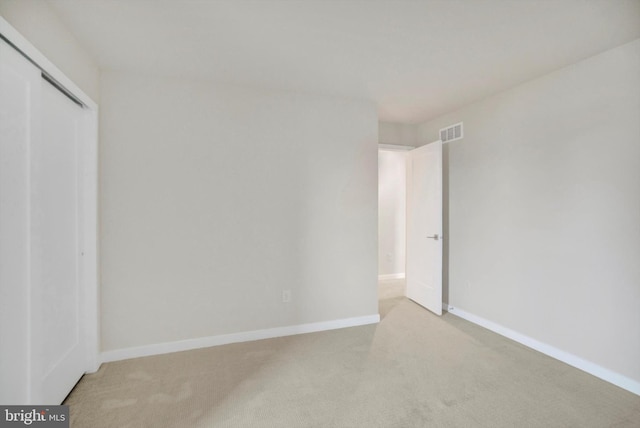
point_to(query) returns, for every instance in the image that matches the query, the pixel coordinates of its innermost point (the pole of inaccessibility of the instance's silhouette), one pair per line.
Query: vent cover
(451, 133)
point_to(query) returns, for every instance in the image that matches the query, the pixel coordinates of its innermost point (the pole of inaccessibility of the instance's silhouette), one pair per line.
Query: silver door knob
(436, 237)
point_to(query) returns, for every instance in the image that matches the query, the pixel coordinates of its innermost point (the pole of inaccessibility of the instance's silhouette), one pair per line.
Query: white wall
(35, 20)
(392, 183)
(216, 198)
(544, 199)
(402, 134)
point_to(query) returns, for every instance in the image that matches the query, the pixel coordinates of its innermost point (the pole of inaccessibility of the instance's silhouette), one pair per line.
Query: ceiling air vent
(451, 133)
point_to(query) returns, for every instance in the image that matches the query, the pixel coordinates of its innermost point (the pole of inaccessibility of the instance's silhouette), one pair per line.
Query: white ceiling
(415, 59)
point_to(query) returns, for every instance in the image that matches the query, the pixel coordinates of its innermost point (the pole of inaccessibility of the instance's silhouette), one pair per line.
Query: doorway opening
(410, 226)
(392, 176)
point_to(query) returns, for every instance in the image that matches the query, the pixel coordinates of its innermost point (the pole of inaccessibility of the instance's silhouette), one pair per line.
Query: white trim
(395, 147)
(605, 374)
(205, 342)
(445, 306)
(36, 56)
(89, 198)
(400, 275)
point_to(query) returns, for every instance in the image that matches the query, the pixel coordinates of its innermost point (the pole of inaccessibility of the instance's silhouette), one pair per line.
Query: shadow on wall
(445, 223)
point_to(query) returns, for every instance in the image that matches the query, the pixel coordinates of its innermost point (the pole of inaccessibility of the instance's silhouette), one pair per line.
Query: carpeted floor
(414, 369)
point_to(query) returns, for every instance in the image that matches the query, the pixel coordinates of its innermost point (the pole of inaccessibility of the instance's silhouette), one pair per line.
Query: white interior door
(41, 295)
(424, 226)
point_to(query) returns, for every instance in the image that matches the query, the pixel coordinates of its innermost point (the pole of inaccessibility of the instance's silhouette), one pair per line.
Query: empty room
(317, 213)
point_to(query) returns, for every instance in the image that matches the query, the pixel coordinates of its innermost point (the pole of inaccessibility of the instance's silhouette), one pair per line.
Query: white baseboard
(205, 342)
(391, 276)
(605, 374)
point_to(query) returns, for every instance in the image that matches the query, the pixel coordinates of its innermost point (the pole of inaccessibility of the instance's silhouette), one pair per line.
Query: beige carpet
(413, 369)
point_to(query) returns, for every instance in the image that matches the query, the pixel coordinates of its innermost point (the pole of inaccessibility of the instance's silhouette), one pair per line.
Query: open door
(424, 226)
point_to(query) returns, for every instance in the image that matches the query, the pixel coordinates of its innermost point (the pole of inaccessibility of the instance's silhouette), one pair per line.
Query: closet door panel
(20, 84)
(42, 339)
(57, 348)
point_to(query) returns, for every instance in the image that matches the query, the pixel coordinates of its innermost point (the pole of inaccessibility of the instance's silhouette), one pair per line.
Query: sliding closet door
(20, 84)
(45, 214)
(57, 345)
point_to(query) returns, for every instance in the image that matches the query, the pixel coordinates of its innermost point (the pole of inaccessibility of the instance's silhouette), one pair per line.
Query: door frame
(88, 190)
(445, 211)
